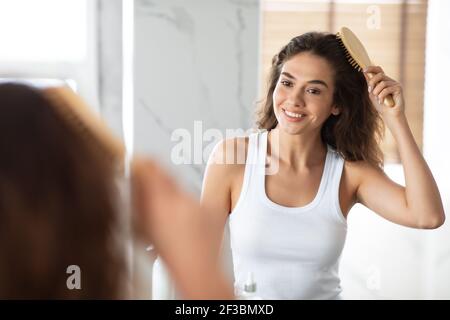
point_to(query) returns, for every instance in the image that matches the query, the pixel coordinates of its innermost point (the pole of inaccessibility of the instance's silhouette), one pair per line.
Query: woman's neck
(296, 150)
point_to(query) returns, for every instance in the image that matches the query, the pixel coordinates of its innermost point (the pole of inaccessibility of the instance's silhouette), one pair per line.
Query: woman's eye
(286, 83)
(314, 91)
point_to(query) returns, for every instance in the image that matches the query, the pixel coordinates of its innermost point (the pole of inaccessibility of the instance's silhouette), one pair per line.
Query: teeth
(294, 115)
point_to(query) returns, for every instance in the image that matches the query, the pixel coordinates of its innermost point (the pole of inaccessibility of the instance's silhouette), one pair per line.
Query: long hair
(357, 131)
(57, 206)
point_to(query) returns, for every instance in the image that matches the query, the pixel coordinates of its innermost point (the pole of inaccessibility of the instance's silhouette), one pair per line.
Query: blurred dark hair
(57, 205)
(356, 132)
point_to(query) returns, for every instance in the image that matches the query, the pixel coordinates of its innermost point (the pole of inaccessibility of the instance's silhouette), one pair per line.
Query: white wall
(436, 142)
(382, 260)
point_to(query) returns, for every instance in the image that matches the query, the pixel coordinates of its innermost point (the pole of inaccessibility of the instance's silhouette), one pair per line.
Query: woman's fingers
(372, 83)
(373, 69)
(380, 86)
(376, 75)
(387, 91)
(378, 83)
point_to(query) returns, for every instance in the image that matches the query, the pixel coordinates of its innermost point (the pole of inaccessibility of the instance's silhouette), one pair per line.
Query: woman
(59, 214)
(319, 156)
(55, 210)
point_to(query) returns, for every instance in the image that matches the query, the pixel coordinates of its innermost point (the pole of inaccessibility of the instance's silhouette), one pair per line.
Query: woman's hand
(173, 221)
(380, 86)
(166, 216)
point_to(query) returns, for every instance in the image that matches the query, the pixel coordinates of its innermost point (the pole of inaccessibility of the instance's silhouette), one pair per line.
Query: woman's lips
(293, 116)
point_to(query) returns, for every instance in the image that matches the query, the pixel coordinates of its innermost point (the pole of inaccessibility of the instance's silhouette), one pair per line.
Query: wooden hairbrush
(357, 55)
(77, 113)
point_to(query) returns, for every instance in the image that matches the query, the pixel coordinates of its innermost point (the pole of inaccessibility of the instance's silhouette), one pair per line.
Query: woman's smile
(293, 116)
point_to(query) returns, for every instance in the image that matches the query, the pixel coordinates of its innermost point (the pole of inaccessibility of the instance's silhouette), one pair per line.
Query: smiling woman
(320, 63)
(316, 156)
(294, 92)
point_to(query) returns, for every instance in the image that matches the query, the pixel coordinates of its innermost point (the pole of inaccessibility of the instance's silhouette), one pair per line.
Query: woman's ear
(335, 110)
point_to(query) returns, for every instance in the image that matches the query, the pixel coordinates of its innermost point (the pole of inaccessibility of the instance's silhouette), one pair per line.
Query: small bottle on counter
(249, 290)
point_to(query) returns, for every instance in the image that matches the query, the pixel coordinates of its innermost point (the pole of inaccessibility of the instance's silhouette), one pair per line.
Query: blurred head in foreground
(57, 205)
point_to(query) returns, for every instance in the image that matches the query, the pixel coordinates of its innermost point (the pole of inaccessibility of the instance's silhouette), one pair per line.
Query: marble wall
(196, 68)
(110, 62)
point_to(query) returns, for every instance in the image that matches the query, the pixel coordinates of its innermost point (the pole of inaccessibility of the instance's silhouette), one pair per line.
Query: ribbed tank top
(293, 252)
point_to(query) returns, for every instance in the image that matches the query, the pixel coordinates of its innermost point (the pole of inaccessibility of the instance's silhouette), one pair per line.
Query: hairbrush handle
(388, 100)
(357, 55)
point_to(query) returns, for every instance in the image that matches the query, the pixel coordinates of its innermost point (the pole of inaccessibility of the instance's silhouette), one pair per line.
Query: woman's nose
(296, 100)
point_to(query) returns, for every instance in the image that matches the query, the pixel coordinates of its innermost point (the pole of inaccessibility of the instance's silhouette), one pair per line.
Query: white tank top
(293, 252)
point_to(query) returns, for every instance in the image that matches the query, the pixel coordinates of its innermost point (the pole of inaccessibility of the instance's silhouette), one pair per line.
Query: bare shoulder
(228, 159)
(230, 153)
(355, 173)
(225, 169)
(360, 169)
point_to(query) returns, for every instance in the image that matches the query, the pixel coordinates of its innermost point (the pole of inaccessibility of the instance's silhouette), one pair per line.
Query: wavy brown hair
(57, 205)
(357, 131)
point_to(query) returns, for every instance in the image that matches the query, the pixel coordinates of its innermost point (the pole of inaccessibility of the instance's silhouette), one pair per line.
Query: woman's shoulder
(356, 171)
(360, 166)
(226, 164)
(230, 152)
(354, 166)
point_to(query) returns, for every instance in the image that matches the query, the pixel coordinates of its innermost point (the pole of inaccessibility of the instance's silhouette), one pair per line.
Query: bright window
(44, 30)
(51, 40)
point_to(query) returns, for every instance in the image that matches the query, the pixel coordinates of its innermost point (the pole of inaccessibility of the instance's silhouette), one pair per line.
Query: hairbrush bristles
(349, 57)
(357, 55)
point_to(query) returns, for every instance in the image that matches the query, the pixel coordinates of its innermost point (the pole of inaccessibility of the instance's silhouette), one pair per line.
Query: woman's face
(303, 95)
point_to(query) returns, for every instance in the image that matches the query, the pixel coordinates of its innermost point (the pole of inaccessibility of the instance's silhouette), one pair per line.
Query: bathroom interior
(160, 72)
